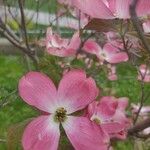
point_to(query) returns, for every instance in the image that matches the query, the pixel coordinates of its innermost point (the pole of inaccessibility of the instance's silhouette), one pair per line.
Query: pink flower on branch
(94, 8)
(110, 115)
(57, 46)
(110, 9)
(120, 8)
(108, 53)
(120, 116)
(75, 92)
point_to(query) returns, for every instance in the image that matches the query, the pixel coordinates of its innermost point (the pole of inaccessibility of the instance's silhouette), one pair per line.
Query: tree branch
(136, 24)
(139, 127)
(23, 23)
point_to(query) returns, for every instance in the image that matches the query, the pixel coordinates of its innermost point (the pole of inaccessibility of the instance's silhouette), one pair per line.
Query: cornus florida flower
(104, 113)
(109, 9)
(144, 73)
(94, 8)
(74, 93)
(57, 46)
(120, 8)
(109, 52)
(120, 116)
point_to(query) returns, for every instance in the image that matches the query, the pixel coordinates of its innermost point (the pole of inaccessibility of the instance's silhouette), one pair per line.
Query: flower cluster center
(97, 121)
(60, 115)
(103, 55)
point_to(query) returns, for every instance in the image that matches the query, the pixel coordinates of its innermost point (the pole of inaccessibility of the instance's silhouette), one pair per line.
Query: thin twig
(83, 42)
(142, 97)
(136, 24)
(139, 127)
(23, 23)
(5, 101)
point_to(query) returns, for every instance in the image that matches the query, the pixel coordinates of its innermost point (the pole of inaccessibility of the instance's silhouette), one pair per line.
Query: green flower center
(60, 115)
(103, 55)
(97, 121)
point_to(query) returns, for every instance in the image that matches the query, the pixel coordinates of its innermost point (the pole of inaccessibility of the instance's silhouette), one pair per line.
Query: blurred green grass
(41, 5)
(12, 68)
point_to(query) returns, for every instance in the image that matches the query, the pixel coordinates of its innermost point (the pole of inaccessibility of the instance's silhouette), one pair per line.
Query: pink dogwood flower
(108, 53)
(120, 116)
(57, 46)
(75, 92)
(104, 112)
(144, 73)
(94, 8)
(120, 8)
(110, 9)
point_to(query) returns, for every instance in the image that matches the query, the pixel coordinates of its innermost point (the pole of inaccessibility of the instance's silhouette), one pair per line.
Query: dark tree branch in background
(137, 26)
(14, 40)
(23, 23)
(134, 131)
(83, 42)
(6, 28)
(24, 31)
(17, 41)
(142, 97)
(139, 127)
(14, 17)
(37, 10)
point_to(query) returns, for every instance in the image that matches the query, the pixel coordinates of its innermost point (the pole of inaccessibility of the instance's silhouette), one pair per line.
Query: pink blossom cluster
(101, 121)
(58, 46)
(111, 53)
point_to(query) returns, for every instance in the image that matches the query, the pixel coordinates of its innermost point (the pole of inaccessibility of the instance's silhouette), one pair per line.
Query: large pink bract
(109, 114)
(75, 92)
(110, 9)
